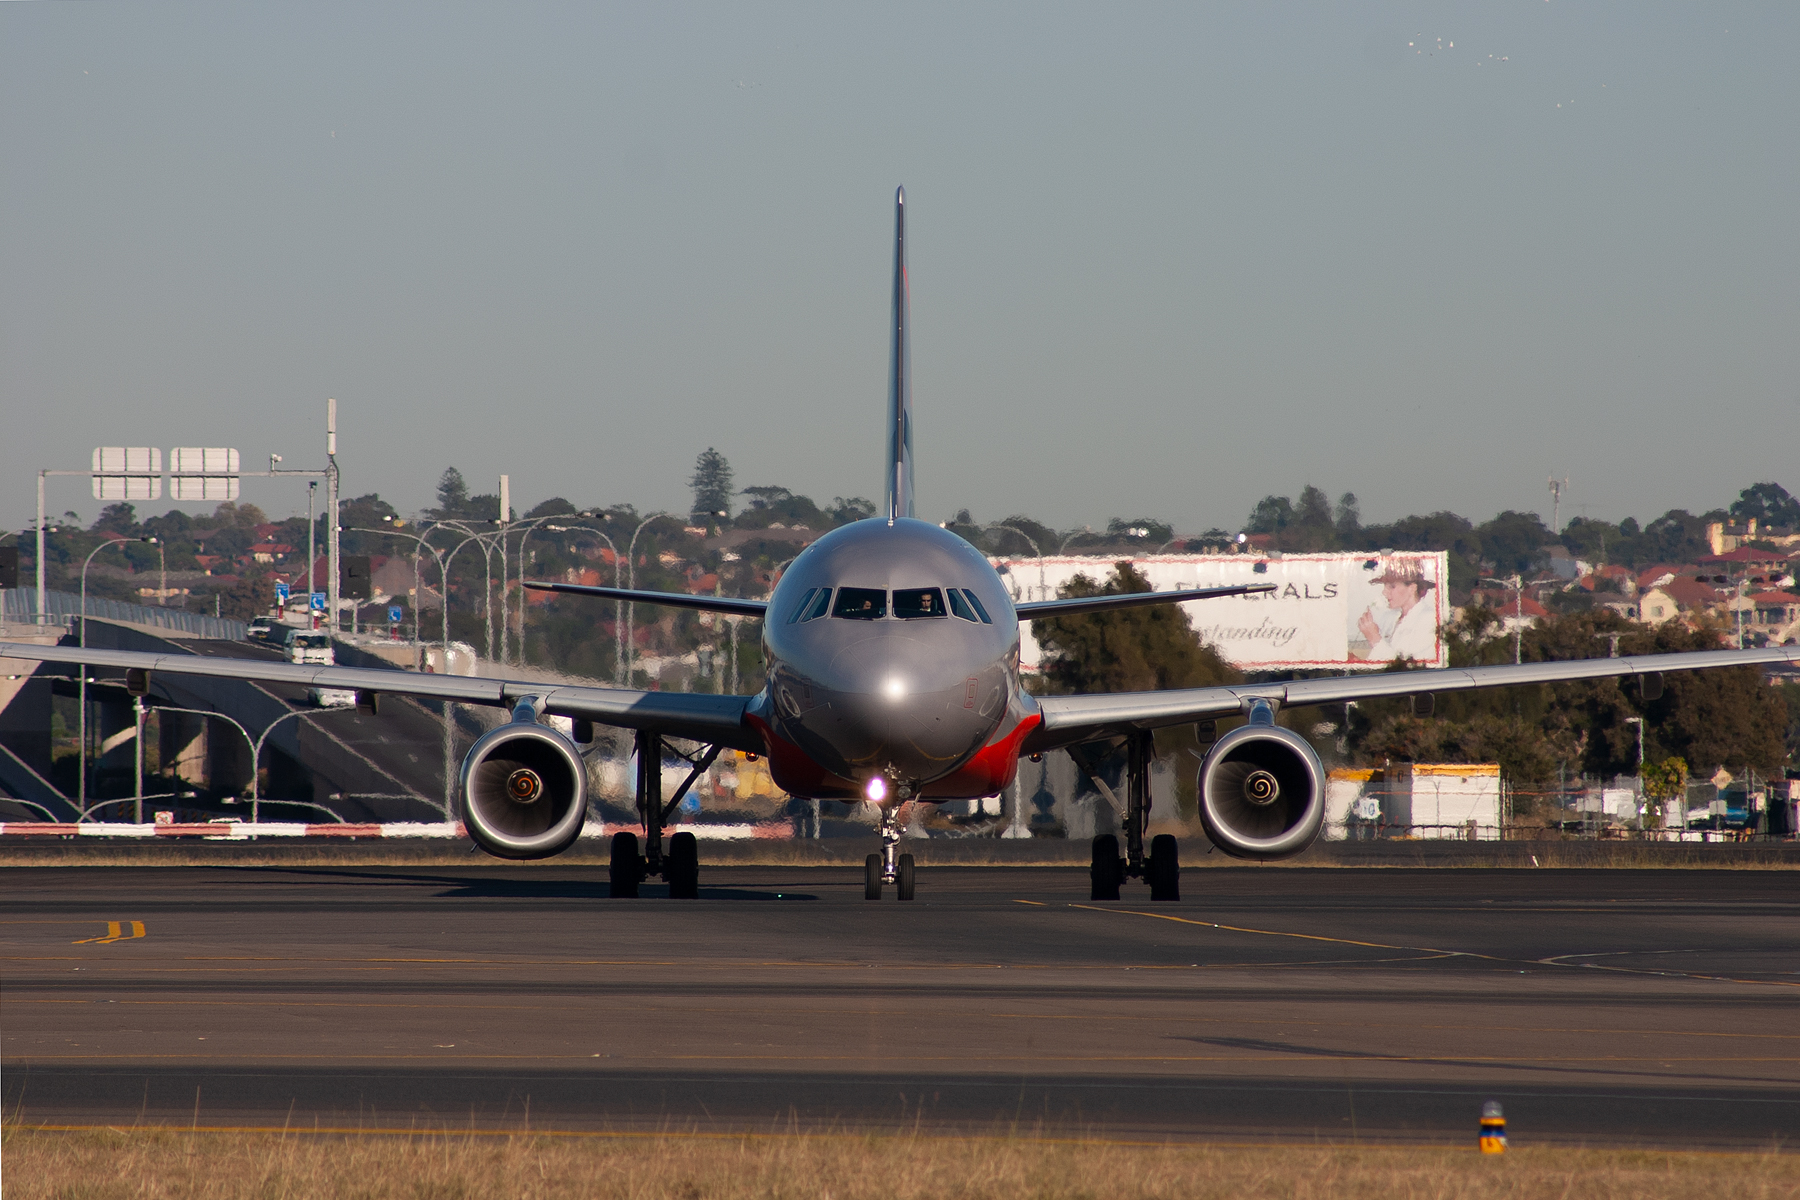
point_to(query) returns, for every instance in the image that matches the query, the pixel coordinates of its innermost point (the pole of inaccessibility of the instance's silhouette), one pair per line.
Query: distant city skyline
(1165, 261)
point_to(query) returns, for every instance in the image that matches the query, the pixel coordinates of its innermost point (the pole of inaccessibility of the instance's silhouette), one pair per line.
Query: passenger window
(976, 605)
(860, 604)
(800, 608)
(919, 602)
(959, 606)
(821, 603)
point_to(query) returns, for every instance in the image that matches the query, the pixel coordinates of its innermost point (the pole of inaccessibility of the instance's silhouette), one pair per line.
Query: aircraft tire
(872, 877)
(626, 870)
(1106, 874)
(903, 877)
(684, 867)
(1164, 868)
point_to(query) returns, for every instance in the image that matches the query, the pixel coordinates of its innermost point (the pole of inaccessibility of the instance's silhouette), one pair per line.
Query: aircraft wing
(705, 718)
(720, 604)
(1082, 604)
(1071, 719)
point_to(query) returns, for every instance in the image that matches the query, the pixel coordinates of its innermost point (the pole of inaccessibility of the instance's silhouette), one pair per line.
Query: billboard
(1327, 612)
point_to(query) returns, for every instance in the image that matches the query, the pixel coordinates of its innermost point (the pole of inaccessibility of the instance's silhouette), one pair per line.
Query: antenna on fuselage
(899, 413)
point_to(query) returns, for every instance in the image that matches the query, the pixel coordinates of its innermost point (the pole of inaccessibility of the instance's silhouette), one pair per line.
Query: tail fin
(899, 413)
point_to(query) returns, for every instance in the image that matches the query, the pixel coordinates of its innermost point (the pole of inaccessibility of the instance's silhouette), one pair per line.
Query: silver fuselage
(929, 704)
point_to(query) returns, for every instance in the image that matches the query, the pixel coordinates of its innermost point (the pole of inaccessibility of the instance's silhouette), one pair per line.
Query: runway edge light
(1493, 1128)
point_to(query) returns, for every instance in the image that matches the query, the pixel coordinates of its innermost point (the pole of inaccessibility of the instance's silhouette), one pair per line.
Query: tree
(1769, 505)
(556, 506)
(1711, 718)
(1348, 520)
(1139, 649)
(771, 504)
(1311, 528)
(1271, 515)
(855, 508)
(453, 493)
(253, 595)
(118, 519)
(1514, 541)
(711, 483)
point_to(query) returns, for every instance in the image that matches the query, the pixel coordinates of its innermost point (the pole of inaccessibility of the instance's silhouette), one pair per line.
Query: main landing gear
(680, 868)
(1161, 868)
(889, 866)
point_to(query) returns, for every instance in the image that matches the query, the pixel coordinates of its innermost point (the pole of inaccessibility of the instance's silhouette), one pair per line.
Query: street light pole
(629, 656)
(332, 541)
(81, 715)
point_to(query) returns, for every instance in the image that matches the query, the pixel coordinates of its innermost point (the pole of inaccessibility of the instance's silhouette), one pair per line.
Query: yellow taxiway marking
(1553, 961)
(114, 933)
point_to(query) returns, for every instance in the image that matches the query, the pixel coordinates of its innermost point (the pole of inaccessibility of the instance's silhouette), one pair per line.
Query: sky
(1165, 259)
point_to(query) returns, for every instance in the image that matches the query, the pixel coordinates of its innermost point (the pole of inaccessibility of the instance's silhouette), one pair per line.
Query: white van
(311, 648)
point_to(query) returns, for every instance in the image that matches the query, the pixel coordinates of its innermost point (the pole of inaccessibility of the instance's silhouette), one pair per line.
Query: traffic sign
(318, 602)
(282, 592)
(394, 614)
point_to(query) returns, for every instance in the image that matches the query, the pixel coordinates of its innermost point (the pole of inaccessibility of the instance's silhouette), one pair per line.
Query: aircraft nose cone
(892, 704)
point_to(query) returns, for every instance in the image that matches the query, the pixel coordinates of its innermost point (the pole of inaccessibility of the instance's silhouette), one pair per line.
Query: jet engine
(524, 791)
(1262, 793)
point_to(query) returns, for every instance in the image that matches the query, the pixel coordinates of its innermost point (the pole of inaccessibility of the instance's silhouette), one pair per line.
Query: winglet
(899, 483)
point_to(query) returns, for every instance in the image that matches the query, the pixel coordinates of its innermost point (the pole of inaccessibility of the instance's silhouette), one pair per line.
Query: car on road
(331, 697)
(311, 648)
(263, 629)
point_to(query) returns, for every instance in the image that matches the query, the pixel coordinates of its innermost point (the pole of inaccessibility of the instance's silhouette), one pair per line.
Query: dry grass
(145, 1165)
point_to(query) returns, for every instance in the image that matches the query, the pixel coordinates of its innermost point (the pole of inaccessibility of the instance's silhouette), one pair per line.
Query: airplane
(892, 653)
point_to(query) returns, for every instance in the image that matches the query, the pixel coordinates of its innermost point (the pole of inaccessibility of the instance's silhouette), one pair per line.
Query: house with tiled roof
(1775, 614)
(1679, 597)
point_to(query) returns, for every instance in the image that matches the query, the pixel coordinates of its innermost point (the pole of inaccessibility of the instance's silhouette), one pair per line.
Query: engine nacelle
(1262, 793)
(524, 790)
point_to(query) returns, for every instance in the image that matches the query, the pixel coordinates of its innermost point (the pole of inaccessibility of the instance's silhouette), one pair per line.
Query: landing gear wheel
(1163, 869)
(872, 877)
(682, 868)
(1107, 872)
(627, 870)
(903, 877)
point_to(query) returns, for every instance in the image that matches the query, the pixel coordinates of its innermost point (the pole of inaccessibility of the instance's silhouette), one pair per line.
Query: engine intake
(524, 791)
(1262, 793)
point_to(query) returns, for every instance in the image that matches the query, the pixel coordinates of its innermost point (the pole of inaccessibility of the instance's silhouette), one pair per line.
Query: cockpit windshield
(860, 604)
(811, 605)
(911, 603)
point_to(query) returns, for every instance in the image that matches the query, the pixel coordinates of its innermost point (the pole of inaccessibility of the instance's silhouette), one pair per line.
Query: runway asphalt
(1646, 1007)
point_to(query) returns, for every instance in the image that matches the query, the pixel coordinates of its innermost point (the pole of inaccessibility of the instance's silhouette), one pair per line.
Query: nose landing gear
(889, 866)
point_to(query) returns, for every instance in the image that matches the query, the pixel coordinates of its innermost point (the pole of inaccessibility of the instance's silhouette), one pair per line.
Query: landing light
(894, 688)
(876, 790)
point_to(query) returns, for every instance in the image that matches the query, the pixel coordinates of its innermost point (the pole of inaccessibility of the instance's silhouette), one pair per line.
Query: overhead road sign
(127, 473)
(203, 473)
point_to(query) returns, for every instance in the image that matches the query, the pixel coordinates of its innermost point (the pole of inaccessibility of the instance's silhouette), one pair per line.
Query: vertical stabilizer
(899, 411)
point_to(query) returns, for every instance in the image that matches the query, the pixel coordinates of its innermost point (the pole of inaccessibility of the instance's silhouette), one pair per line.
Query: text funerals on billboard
(1328, 611)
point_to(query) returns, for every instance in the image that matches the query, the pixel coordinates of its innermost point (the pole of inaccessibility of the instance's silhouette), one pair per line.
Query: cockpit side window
(910, 603)
(976, 605)
(820, 606)
(800, 608)
(959, 606)
(860, 604)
